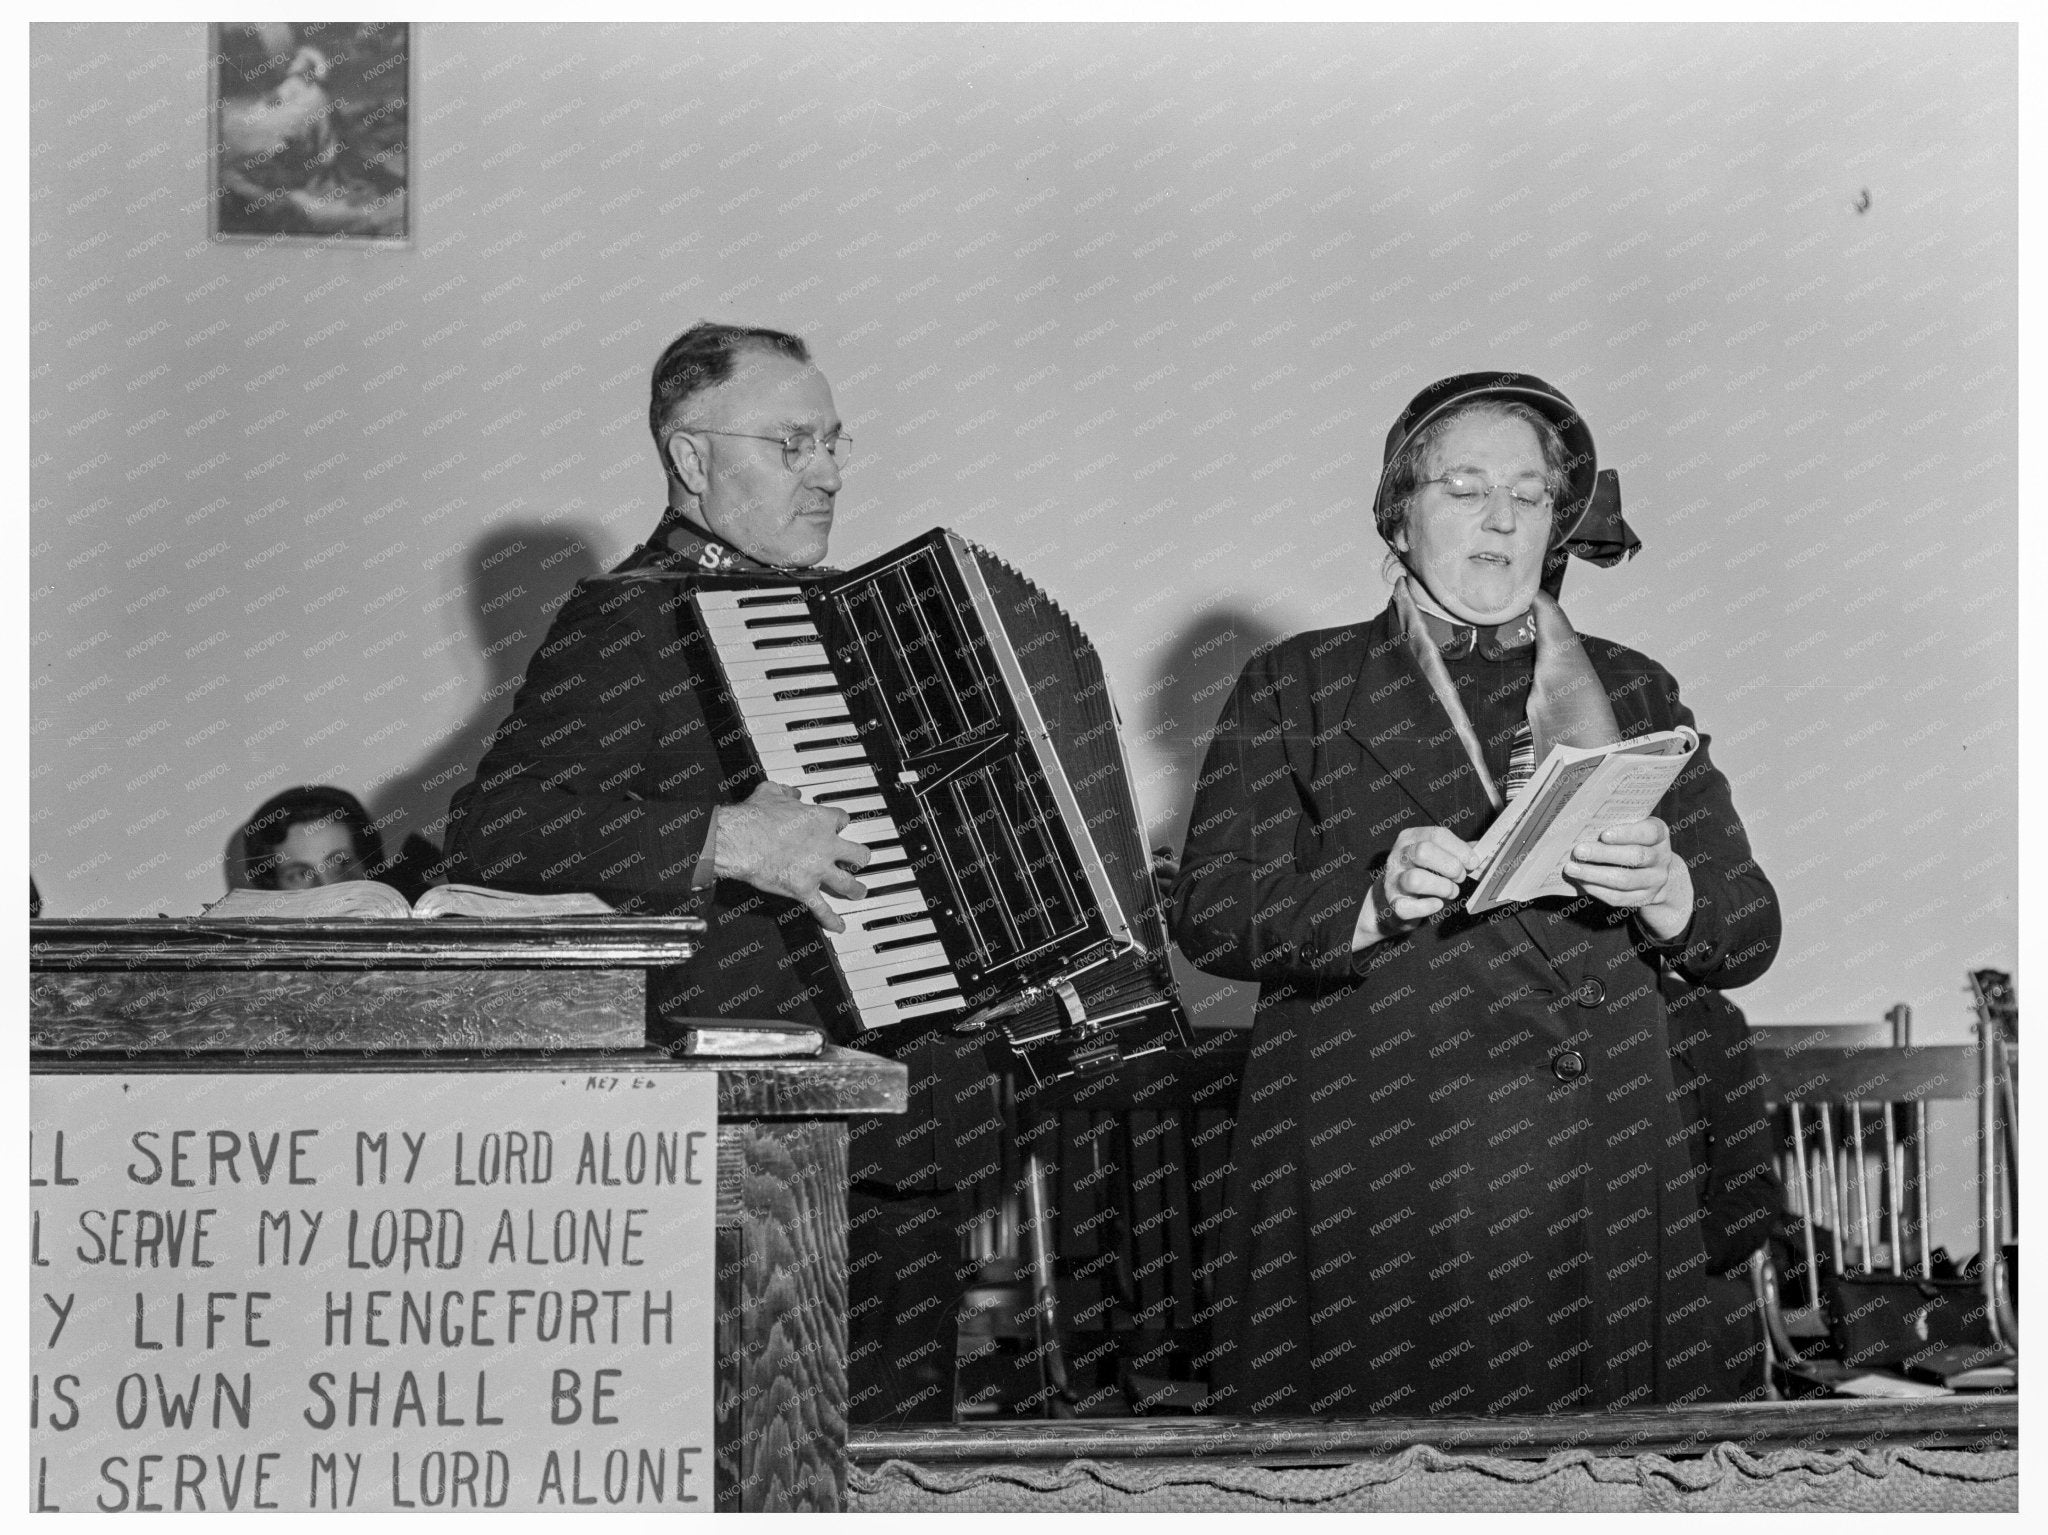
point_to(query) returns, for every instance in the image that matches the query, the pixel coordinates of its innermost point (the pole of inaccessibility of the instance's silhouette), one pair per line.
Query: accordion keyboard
(803, 735)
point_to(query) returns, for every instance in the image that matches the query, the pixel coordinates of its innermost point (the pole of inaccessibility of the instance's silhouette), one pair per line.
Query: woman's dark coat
(1435, 1212)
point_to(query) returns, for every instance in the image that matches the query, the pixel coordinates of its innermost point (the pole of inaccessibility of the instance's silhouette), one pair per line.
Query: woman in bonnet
(1461, 1181)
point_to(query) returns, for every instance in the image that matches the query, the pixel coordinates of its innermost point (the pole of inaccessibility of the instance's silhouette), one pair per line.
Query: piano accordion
(963, 723)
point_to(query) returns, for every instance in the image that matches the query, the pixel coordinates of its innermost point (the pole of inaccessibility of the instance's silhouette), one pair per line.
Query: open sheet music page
(1576, 793)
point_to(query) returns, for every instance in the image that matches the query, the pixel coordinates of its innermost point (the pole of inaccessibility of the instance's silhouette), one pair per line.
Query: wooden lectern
(565, 994)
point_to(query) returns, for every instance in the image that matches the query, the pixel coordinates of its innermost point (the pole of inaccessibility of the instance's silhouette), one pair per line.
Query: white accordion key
(802, 733)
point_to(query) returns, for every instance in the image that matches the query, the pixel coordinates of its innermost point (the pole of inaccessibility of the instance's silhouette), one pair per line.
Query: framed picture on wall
(311, 130)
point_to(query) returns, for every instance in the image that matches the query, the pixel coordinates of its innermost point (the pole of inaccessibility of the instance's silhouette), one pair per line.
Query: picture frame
(310, 129)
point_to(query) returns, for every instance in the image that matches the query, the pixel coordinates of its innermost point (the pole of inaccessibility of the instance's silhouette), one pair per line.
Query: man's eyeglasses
(798, 448)
(1470, 492)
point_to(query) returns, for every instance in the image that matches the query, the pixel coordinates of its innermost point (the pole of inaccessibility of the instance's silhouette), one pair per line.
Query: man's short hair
(703, 357)
(306, 805)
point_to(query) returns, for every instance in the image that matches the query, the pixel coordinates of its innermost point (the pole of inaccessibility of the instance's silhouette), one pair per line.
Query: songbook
(748, 1040)
(1575, 794)
(371, 898)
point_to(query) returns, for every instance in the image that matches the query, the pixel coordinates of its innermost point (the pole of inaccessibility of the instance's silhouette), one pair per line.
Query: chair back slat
(1920, 1188)
(1831, 1184)
(1892, 1202)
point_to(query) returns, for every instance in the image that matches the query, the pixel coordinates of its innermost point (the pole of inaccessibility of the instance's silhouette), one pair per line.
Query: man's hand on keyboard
(777, 843)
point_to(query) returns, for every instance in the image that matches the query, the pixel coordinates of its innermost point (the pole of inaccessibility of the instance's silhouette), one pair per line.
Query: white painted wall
(1132, 306)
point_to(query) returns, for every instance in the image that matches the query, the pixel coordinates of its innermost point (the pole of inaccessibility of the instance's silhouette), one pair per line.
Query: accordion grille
(930, 675)
(1018, 895)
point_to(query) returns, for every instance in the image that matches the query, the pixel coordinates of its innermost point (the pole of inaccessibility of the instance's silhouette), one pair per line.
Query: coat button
(1591, 992)
(1568, 1065)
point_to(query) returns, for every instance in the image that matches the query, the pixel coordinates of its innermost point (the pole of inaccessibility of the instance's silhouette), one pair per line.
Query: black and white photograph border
(1131, 304)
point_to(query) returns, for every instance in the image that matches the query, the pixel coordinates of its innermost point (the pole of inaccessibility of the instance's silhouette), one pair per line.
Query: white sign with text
(372, 1291)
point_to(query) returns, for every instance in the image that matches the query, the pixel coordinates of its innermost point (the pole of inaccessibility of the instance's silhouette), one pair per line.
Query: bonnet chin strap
(1430, 663)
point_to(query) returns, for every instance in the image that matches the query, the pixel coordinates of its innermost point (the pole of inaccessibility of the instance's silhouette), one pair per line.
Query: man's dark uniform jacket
(603, 779)
(1462, 1176)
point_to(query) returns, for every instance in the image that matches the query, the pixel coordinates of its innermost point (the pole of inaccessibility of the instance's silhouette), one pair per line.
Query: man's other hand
(777, 843)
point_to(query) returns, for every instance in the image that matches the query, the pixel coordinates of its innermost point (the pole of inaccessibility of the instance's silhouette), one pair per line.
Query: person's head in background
(307, 836)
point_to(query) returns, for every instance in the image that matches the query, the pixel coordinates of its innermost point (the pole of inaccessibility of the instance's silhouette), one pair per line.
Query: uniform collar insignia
(1492, 641)
(687, 544)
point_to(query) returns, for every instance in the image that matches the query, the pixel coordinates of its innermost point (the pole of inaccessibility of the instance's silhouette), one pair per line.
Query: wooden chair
(1856, 1168)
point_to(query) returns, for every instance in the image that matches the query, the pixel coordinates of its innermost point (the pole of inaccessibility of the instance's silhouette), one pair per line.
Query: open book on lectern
(370, 898)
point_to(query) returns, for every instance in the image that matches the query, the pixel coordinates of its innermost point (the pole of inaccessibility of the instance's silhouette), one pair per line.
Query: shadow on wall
(1177, 710)
(517, 575)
